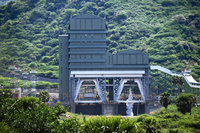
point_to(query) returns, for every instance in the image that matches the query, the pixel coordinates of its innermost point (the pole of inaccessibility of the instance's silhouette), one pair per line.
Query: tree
(185, 102)
(44, 96)
(165, 100)
(181, 81)
(175, 80)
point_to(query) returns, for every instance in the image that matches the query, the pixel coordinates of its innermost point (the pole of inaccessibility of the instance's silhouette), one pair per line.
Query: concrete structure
(88, 75)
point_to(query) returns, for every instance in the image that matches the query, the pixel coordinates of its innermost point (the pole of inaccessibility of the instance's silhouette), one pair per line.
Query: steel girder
(100, 84)
(118, 85)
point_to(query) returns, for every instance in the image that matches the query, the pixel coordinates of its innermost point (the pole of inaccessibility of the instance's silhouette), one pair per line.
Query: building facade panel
(63, 65)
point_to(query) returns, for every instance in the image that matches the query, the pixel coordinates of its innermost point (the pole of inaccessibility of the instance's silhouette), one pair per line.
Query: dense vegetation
(166, 29)
(174, 121)
(44, 96)
(3, 2)
(5, 82)
(165, 100)
(29, 114)
(185, 102)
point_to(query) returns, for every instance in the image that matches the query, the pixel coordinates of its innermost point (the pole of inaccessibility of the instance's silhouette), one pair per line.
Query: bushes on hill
(121, 16)
(179, 18)
(108, 4)
(167, 3)
(46, 85)
(30, 28)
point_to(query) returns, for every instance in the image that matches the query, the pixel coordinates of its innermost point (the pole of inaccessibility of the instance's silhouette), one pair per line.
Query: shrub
(185, 102)
(173, 131)
(174, 116)
(46, 59)
(103, 14)
(54, 85)
(70, 125)
(28, 103)
(167, 3)
(42, 119)
(108, 4)
(59, 109)
(112, 124)
(43, 85)
(44, 96)
(5, 128)
(149, 123)
(48, 74)
(32, 65)
(194, 124)
(179, 18)
(53, 42)
(121, 16)
(91, 6)
(30, 115)
(41, 74)
(115, 37)
(142, 117)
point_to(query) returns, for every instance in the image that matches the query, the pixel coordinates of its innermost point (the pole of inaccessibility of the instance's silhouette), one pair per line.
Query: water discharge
(129, 104)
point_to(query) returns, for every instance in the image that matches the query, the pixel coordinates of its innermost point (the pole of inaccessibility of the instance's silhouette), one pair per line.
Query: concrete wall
(111, 109)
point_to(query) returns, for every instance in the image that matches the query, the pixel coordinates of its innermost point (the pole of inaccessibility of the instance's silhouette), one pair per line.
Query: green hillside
(169, 30)
(3, 2)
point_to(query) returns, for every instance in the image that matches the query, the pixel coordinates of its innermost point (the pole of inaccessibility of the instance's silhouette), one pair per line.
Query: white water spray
(129, 104)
